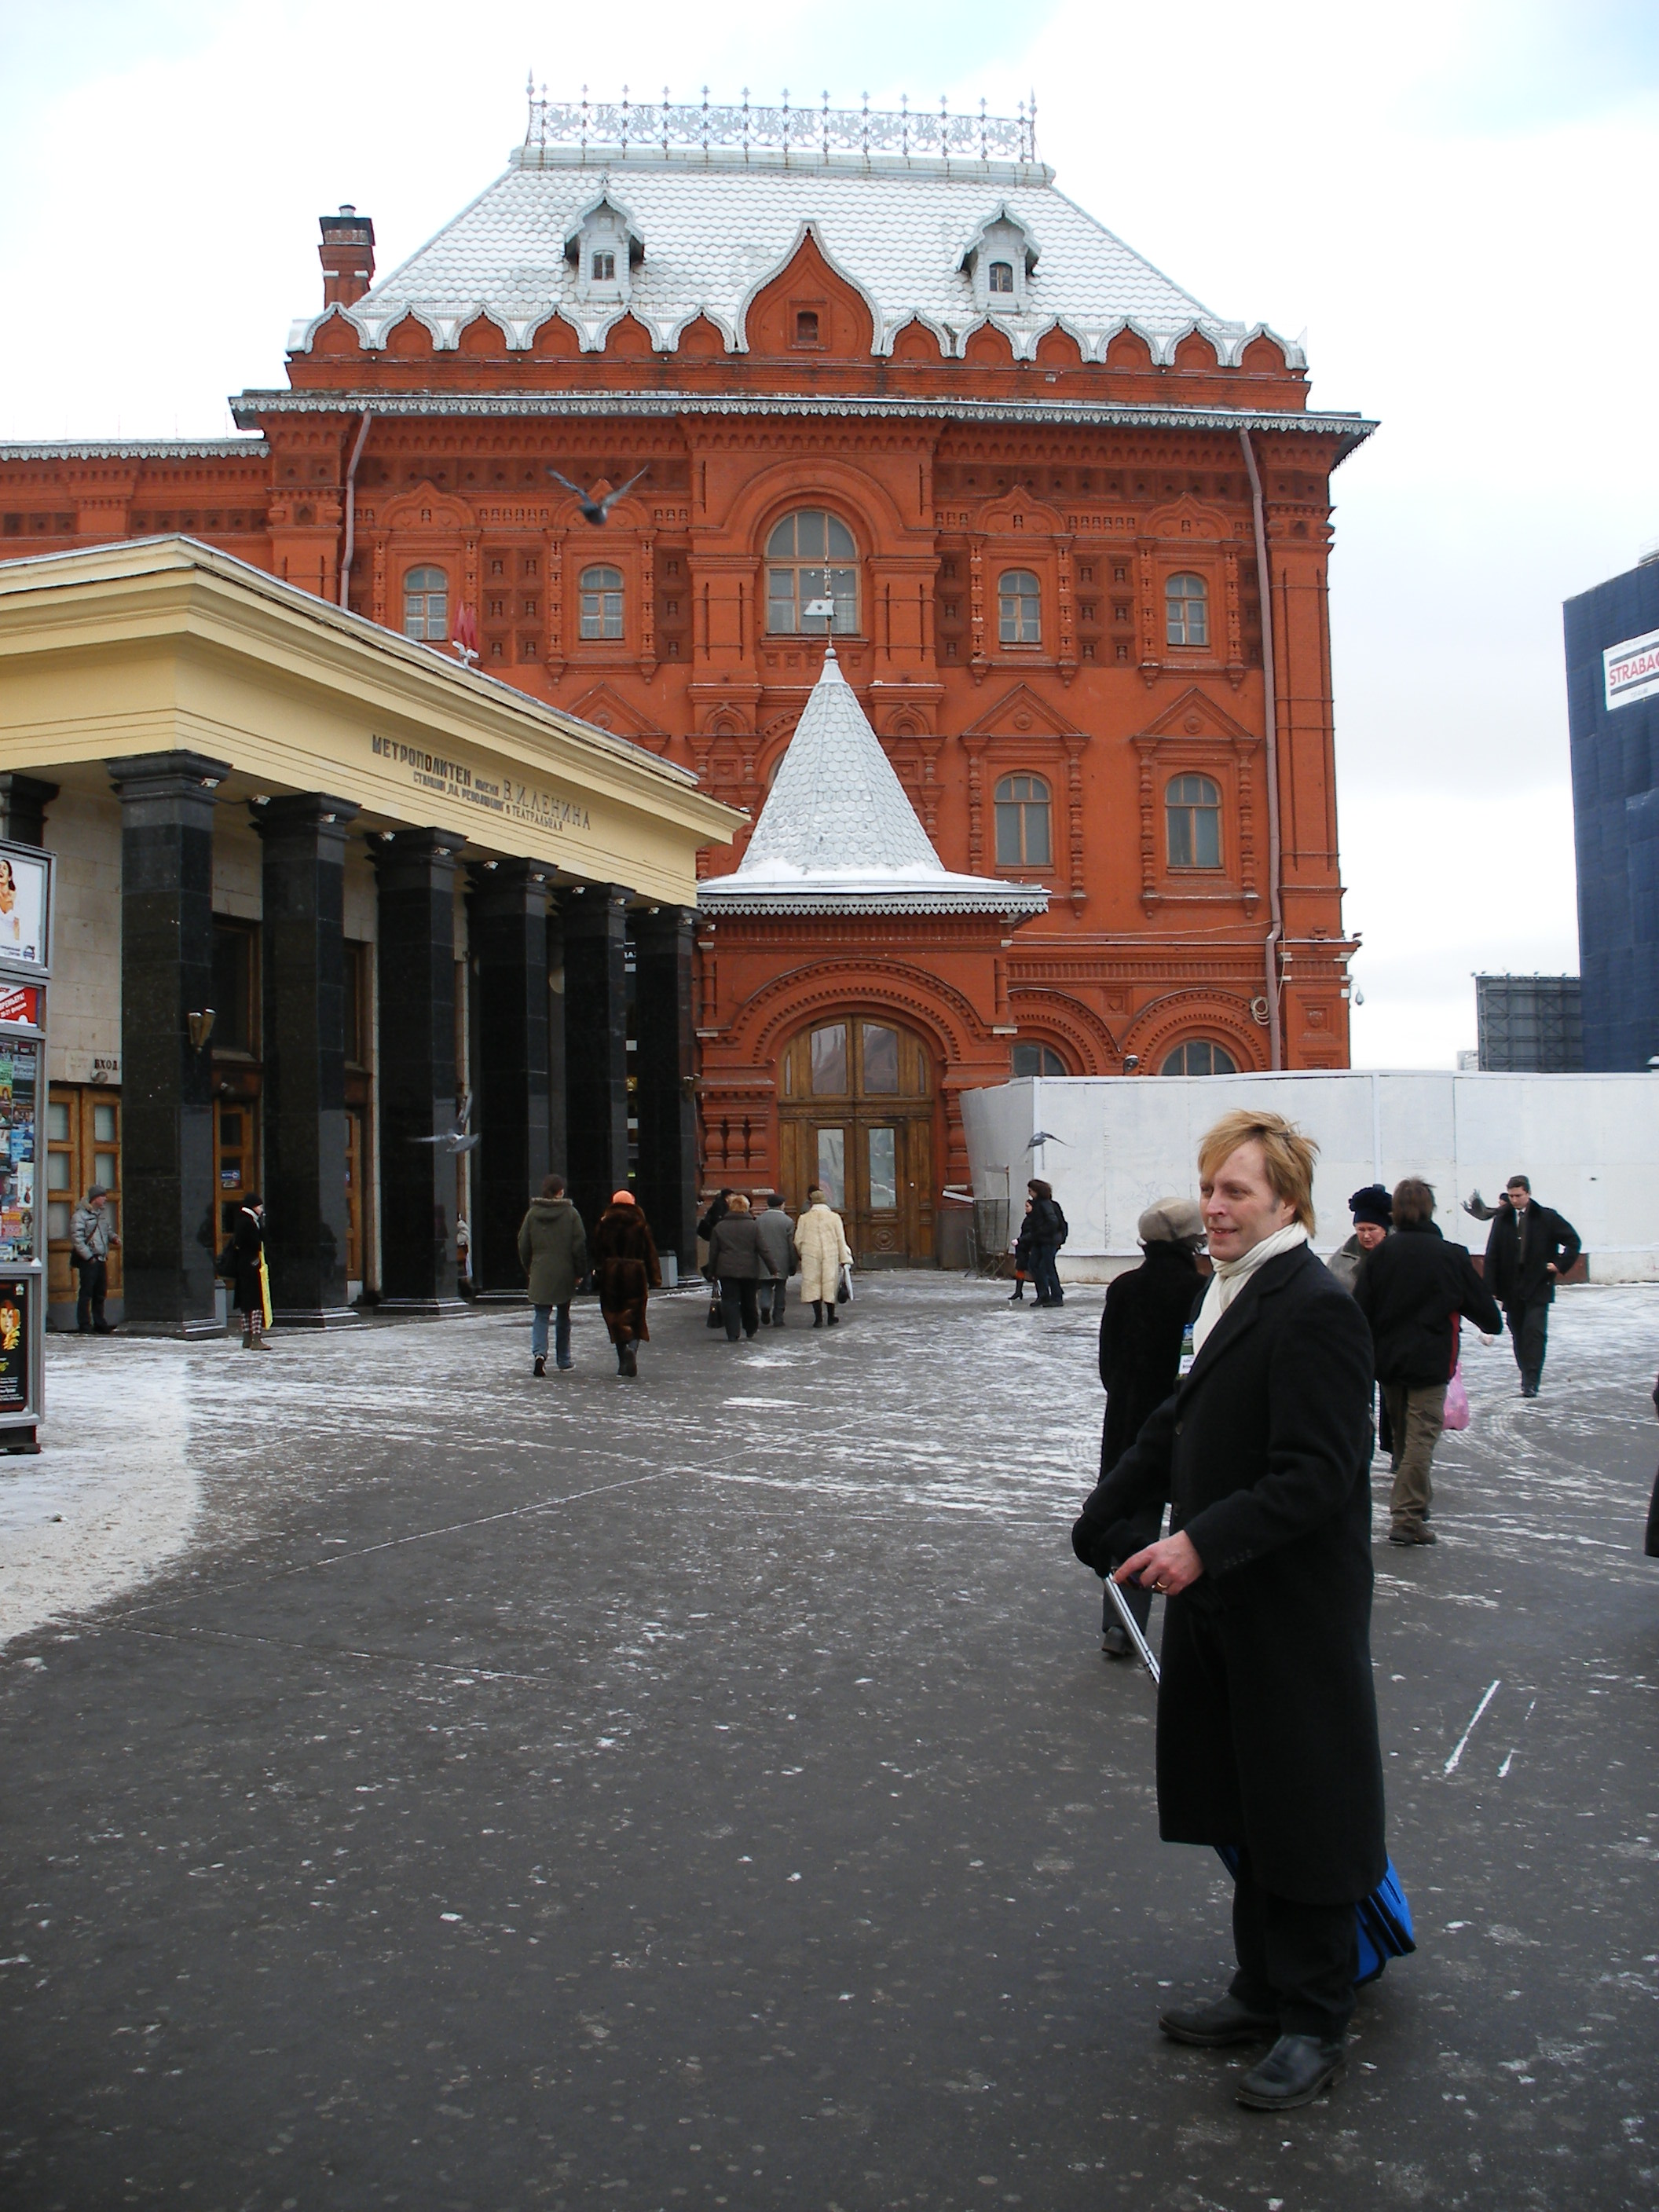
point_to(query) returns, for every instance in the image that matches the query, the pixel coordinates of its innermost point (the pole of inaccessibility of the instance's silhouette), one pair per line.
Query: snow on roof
(837, 834)
(717, 221)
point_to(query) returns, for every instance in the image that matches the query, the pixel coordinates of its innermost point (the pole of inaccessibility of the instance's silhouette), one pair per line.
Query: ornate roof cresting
(636, 127)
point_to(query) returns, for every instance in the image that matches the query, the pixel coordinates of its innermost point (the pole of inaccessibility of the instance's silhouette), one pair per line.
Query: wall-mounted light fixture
(201, 1028)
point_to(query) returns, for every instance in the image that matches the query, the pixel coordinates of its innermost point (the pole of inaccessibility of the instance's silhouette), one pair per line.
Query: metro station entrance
(855, 1110)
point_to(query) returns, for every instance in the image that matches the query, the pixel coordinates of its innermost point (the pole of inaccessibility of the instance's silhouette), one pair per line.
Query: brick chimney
(347, 254)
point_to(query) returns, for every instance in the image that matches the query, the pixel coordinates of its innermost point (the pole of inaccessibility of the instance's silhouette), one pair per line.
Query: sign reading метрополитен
(539, 805)
(1631, 671)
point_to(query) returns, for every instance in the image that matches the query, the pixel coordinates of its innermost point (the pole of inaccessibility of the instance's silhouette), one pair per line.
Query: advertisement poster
(15, 1320)
(22, 907)
(19, 1067)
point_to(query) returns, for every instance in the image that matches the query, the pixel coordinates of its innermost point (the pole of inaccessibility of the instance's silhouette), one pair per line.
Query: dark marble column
(595, 1044)
(168, 1218)
(23, 803)
(416, 1082)
(507, 934)
(558, 1145)
(305, 1133)
(663, 1067)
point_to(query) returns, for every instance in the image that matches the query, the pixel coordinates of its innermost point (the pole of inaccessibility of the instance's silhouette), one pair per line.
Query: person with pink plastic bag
(1414, 1289)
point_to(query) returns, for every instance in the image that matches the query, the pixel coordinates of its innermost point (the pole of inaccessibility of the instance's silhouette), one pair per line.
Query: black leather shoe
(1114, 1643)
(1294, 2071)
(1214, 2024)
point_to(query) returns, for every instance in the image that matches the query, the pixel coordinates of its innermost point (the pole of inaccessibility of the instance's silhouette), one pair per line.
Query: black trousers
(1529, 1334)
(739, 1301)
(95, 1282)
(1296, 1960)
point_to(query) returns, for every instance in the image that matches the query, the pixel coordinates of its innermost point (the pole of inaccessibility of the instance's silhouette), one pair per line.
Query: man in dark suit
(1267, 1715)
(1528, 1249)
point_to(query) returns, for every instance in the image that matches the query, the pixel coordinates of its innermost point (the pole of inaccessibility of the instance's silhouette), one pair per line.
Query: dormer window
(999, 259)
(605, 244)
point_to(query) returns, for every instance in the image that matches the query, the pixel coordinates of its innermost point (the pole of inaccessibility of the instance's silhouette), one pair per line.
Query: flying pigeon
(455, 1141)
(596, 511)
(1044, 1137)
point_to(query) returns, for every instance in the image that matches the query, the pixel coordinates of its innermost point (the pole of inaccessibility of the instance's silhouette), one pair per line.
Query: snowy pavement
(429, 1787)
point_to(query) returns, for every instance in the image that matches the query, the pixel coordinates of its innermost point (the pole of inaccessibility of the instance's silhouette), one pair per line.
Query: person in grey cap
(1146, 1316)
(91, 1234)
(1372, 1209)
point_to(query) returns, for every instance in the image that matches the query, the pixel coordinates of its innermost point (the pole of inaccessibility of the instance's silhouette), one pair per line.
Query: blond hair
(1287, 1156)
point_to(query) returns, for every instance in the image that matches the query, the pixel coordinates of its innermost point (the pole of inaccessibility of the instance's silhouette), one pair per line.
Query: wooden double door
(856, 1115)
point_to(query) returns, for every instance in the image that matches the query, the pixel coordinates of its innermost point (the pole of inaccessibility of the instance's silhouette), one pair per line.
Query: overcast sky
(1455, 201)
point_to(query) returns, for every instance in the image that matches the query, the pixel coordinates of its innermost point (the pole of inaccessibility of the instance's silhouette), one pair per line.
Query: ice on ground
(112, 1495)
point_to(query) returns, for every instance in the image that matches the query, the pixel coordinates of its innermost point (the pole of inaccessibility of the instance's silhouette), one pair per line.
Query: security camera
(1131, 1061)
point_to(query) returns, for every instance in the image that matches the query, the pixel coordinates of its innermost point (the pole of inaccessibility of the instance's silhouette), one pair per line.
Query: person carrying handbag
(1413, 1290)
(250, 1292)
(821, 1242)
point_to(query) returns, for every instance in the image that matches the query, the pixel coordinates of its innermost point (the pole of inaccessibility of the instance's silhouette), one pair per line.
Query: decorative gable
(606, 710)
(999, 258)
(605, 243)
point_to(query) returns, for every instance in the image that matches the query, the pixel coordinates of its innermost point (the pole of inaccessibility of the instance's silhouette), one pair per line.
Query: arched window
(806, 326)
(1192, 815)
(1019, 607)
(1000, 277)
(1187, 610)
(811, 583)
(1038, 1059)
(1022, 807)
(601, 603)
(1199, 1056)
(426, 603)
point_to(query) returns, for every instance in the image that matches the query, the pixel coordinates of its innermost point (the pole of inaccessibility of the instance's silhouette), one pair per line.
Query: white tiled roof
(837, 834)
(715, 230)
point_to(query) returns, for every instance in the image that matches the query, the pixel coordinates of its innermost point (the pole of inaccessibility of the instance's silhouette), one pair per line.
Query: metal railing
(664, 127)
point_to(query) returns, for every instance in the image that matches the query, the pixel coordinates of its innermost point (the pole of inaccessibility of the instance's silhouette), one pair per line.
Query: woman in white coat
(821, 1242)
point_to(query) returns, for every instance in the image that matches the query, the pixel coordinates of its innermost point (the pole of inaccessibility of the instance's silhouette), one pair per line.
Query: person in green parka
(553, 1251)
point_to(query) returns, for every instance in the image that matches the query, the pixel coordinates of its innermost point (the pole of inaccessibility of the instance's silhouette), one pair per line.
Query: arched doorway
(855, 1109)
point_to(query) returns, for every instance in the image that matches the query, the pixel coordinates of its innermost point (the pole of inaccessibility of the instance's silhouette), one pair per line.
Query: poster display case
(26, 888)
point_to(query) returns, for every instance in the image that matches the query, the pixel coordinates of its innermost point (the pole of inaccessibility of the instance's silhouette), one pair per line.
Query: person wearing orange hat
(626, 1270)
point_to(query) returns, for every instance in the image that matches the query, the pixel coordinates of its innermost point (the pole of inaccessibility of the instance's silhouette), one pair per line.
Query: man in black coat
(1267, 1715)
(1528, 1249)
(1146, 1313)
(1413, 1289)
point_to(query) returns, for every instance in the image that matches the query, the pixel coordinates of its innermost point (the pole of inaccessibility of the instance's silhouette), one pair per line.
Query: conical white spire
(836, 802)
(838, 834)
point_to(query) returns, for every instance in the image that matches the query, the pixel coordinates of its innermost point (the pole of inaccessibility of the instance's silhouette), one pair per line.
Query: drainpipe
(1275, 908)
(352, 509)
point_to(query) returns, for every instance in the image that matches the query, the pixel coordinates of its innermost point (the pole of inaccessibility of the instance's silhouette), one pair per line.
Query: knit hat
(1171, 1221)
(1373, 1204)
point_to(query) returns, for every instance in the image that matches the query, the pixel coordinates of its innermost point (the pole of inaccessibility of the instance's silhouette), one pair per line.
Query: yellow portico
(393, 883)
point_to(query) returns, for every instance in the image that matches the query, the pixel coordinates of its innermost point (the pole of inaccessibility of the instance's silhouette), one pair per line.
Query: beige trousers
(1416, 1416)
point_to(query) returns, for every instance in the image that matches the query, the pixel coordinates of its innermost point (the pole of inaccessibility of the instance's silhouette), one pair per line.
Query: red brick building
(873, 377)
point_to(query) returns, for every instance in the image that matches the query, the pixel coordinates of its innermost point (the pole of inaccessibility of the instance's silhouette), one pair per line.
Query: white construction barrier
(1112, 1145)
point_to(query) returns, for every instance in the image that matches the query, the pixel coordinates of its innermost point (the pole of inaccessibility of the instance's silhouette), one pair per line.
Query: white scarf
(1231, 1275)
